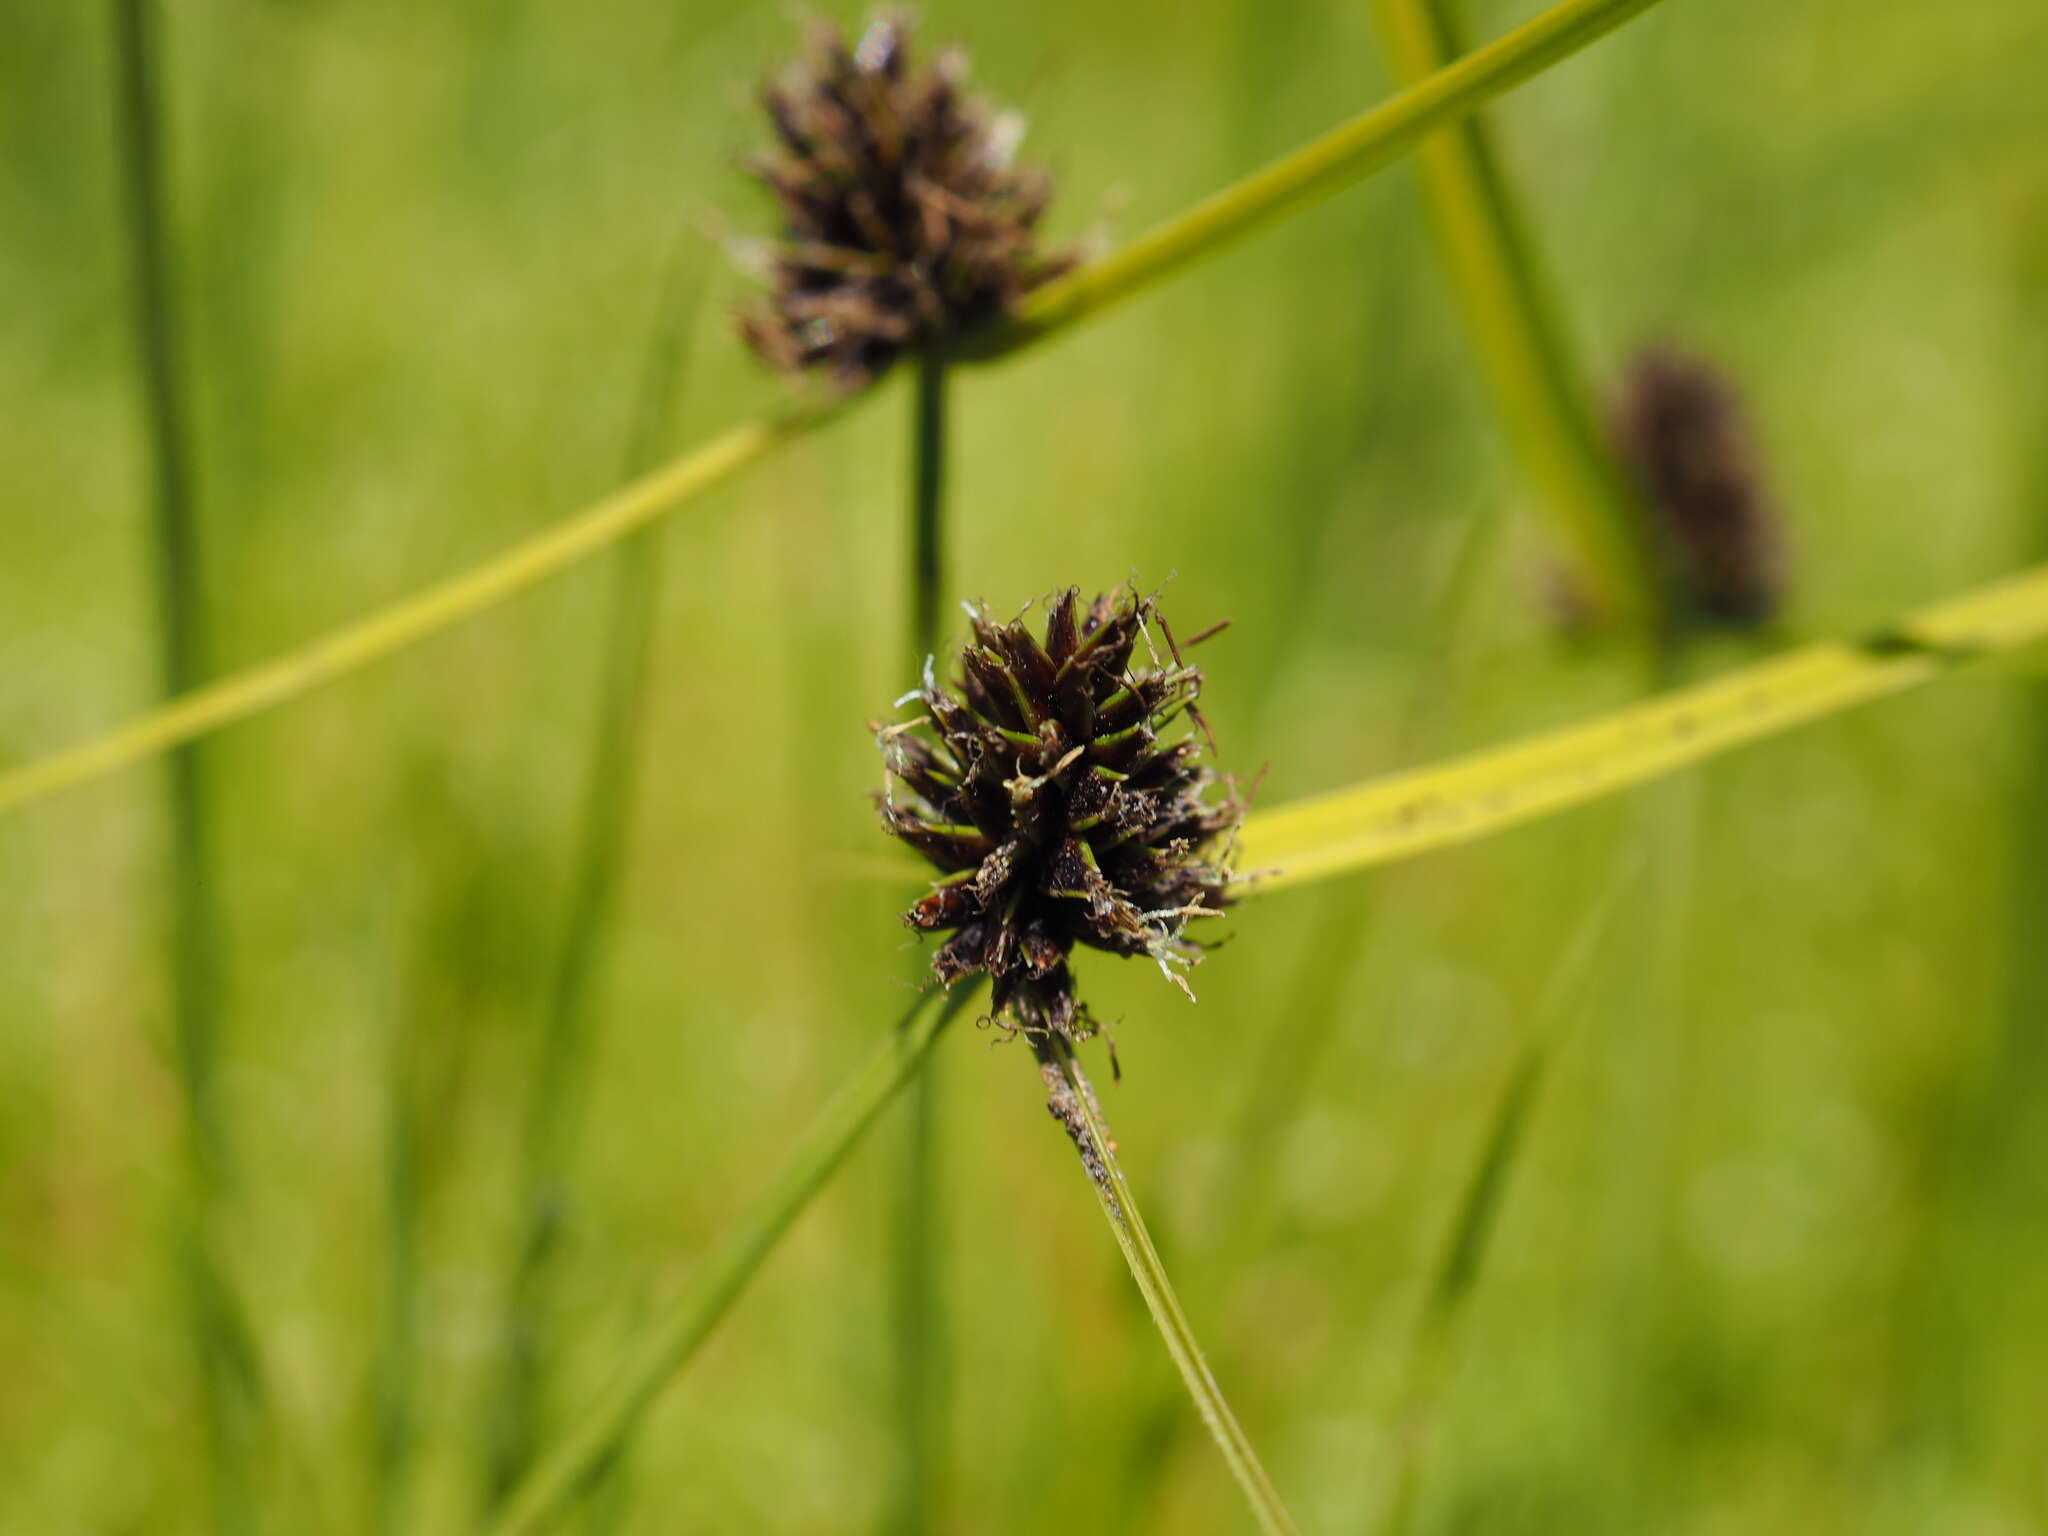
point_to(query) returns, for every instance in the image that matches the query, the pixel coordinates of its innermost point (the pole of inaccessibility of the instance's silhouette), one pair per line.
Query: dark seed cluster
(1054, 811)
(1680, 428)
(905, 222)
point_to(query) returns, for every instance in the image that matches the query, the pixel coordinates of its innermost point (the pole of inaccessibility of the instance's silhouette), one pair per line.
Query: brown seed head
(905, 223)
(1680, 428)
(1053, 810)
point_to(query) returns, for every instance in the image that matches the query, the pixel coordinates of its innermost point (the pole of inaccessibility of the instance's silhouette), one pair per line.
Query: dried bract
(1054, 811)
(905, 222)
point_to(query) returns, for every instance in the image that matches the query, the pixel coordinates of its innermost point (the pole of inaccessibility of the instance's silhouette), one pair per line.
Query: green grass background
(1777, 1252)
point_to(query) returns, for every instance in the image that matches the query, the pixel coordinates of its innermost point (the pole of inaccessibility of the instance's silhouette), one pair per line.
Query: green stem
(1073, 1104)
(561, 1066)
(221, 1339)
(395, 1374)
(1520, 338)
(1295, 1048)
(181, 613)
(920, 1299)
(659, 1357)
(1361, 146)
(928, 507)
(1433, 1351)
(1293, 1054)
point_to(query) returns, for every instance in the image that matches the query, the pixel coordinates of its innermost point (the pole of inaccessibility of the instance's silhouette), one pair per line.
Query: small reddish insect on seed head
(946, 907)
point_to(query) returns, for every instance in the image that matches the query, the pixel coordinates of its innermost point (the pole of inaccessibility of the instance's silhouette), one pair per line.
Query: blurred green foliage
(1775, 1252)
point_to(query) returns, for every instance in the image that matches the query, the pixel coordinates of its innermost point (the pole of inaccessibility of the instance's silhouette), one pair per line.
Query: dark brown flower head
(905, 223)
(1680, 428)
(1054, 811)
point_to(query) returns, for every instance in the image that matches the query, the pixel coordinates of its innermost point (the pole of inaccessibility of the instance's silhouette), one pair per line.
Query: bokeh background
(1775, 1256)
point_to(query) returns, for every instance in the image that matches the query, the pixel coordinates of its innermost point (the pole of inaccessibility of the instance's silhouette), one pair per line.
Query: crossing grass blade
(1408, 813)
(404, 624)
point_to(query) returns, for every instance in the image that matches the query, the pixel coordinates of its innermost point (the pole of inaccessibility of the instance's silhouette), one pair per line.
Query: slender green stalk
(227, 1375)
(1517, 332)
(920, 1298)
(395, 1374)
(928, 506)
(655, 1362)
(1642, 1200)
(1433, 1351)
(1364, 145)
(1523, 348)
(1297, 1043)
(561, 1065)
(1073, 1102)
(1303, 1028)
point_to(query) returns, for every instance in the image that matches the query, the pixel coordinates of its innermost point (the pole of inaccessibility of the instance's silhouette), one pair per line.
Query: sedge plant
(907, 225)
(1378, 822)
(1044, 788)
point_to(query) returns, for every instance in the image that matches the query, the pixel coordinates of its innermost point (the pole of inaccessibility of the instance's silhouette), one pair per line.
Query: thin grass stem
(1073, 1102)
(1435, 1346)
(920, 1298)
(230, 1398)
(1354, 150)
(1302, 1029)
(1518, 334)
(562, 1063)
(928, 505)
(659, 1357)
(394, 1384)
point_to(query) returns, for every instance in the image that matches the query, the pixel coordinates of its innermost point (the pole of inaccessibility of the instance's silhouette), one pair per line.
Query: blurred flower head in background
(905, 220)
(1679, 427)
